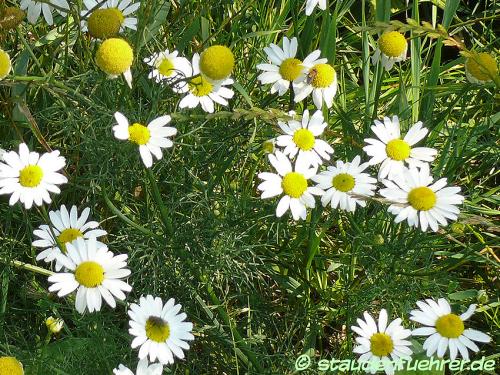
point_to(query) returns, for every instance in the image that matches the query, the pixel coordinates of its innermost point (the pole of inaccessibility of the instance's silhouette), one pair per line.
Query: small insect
(311, 76)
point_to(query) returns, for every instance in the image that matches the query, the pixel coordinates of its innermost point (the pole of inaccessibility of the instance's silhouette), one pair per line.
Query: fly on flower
(285, 68)
(321, 81)
(159, 330)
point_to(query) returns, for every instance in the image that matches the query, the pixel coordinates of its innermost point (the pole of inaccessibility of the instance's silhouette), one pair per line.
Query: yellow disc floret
(290, 69)
(304, 139)
(381, 344)
(450, 326)
(294, 184)
(139, 134)
(5, 64)
(157, 329)
(105, 23)
(397, 149)
(217, 62)
(10, 17)
(114, 56)
(10, 366)
(199, 86)
(322, 75)
(482, 66)
(166, 67)
(30, 176)
(89, 274)
(343, 182)
(422, 198)
(67, 236)
(392, 44)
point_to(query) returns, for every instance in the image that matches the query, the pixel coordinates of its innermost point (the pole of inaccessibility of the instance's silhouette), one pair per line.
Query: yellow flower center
(166, 67)
(450, 326)
(10, 17)
(217, 62)
(381, 344)
(199, 86)
(294, 184)
(31, 176)
(343, 182)
(322, 75)
(392, 44)
(138, 134)
(290, 69)
(482, 66)
(89, 274)
(114, 56)
(105, 23)
(67, 236)
(5, 64)
(10, 366)
(157, 329)
(397, 149)
(422, 198)
(304, 139)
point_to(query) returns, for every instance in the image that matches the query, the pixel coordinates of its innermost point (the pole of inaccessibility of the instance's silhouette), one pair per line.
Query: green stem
(227, 320)
(27, 266)
(165, 217)
(125, 219)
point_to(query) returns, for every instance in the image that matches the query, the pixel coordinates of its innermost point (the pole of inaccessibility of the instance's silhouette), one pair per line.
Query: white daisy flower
(66, 227)
(203, 92)
(420, 201)
(345, 185)
(29, 177)
(321, 81)
(94, 271)
(311, 4)
(159, 330)
(169, 67)
(393, 152)
(392, 48)
(150, 139)
(446, 330)
(142, 369)
(292, 183)
(105, 19)
(300, 138)
(379, 341)
(285, 68)
(34, 8)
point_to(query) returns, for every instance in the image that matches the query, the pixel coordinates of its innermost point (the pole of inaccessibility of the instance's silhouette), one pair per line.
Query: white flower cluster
(404, 172)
